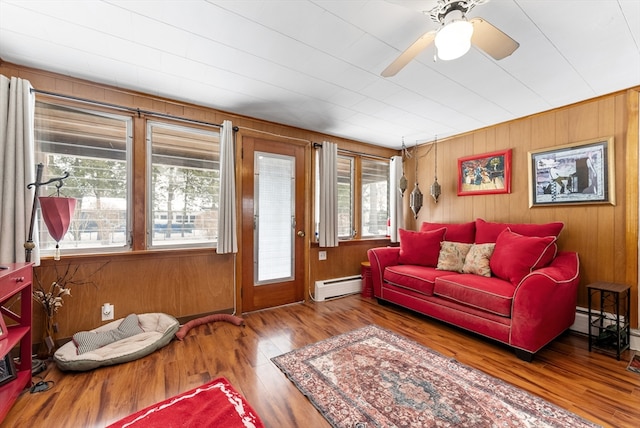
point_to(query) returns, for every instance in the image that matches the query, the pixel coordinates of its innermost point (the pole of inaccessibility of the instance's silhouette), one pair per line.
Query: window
(370, 199)
(375, 197)
(346, 229)
(94, 148)
(184, 185)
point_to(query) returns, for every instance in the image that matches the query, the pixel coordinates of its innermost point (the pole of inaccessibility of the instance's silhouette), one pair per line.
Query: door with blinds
(273, 223)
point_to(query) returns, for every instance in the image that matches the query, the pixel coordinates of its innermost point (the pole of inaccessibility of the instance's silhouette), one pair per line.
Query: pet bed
(119, 341)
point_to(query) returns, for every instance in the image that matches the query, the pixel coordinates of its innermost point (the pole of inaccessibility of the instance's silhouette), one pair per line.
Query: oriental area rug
(634, 364)
(215, 404)
(372, 377)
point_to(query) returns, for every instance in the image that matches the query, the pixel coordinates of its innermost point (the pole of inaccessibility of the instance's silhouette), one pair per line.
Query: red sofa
(505, 281)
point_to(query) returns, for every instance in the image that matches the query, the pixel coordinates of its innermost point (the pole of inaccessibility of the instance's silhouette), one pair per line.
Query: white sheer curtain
(328, 221)
(396, 213)
(17, 168)
(227, 234)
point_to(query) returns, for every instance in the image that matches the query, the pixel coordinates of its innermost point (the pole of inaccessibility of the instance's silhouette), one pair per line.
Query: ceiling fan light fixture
(454, 39)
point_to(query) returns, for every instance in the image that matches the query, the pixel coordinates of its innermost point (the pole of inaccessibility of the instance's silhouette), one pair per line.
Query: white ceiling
(316, 64)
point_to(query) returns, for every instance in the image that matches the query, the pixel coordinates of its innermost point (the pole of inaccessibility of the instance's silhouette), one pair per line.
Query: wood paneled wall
(181, 283)
(185, 283)
(605, 236)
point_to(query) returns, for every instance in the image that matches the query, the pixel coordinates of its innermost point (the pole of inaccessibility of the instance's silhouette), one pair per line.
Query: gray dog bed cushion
(157, 331)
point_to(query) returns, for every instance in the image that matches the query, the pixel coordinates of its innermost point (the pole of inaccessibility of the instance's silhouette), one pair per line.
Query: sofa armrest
(380, 258)
(544, 304)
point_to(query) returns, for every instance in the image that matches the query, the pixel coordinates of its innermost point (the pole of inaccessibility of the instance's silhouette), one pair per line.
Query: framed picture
(485, 174)
(7, 369)
(578, 173)
(3, 328)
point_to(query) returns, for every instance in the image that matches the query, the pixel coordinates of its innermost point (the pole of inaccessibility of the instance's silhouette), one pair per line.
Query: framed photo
(7, 369)
(485, 174)
(573, 174)
(3, 328)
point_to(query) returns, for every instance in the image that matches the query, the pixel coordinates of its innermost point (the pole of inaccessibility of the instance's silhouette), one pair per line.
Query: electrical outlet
(107, 312)
(322, 255)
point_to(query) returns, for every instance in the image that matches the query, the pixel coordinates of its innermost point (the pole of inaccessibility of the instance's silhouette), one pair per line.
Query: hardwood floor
(593, 385)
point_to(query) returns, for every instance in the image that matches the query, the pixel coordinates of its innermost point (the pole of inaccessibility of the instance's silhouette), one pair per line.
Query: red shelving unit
(15, 289)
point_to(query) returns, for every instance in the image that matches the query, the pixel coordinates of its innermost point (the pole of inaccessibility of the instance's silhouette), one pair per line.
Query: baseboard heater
(332, 288)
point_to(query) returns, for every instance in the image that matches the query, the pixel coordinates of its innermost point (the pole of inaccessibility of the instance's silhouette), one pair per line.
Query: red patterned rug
(634, 364)
(372, 377)
(215, 404)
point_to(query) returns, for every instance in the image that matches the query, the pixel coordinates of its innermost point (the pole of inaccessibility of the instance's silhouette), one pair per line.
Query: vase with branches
(51, 299)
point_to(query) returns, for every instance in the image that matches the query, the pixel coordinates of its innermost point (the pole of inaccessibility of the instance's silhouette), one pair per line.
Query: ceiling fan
(455, 35)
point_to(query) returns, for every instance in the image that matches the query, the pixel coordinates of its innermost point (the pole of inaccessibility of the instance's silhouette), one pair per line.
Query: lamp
(402, 184)
(454, 38)
(435, 186)
(415, 198)
(56, 212)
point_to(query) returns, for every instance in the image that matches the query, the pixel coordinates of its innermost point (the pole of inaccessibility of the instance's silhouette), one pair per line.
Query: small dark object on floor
(37, 366)
(43, 385)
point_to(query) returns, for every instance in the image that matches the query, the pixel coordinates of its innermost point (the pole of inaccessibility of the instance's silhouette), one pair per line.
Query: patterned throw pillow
(452, 255)
(477, 260)
(90, 340)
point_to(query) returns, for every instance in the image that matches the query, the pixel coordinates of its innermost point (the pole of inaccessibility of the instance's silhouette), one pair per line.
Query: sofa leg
(524, 355)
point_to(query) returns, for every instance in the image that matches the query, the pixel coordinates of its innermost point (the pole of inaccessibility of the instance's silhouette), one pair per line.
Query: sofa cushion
(488, 232)
(478, 259)
(515, 255)
(456, 232)
(420, 248)
(416, 278)
(489, 294)
(452, 255)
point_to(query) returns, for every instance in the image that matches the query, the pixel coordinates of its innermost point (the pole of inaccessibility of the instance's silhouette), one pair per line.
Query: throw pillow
(515, 255)
(452, 255)
(90, 340)
(420, 248)
(456, 232)
(488, 232)
(478, 259)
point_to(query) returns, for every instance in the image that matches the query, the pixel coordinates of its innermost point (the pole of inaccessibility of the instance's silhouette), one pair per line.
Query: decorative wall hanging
(436, 190)
(402, 184)
(485, 174)
(573, 174)
(415, 200)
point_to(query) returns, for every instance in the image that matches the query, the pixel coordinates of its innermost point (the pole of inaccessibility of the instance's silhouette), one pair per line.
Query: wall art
(485, 174)
(577, 173)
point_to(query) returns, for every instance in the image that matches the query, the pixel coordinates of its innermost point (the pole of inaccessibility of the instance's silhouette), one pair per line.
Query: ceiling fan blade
(410, 53)
(492, 40)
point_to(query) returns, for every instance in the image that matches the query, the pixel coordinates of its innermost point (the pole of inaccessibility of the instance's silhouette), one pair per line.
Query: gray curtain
(328, 221)
(396, 213)
(227, 234)
(17, 168)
